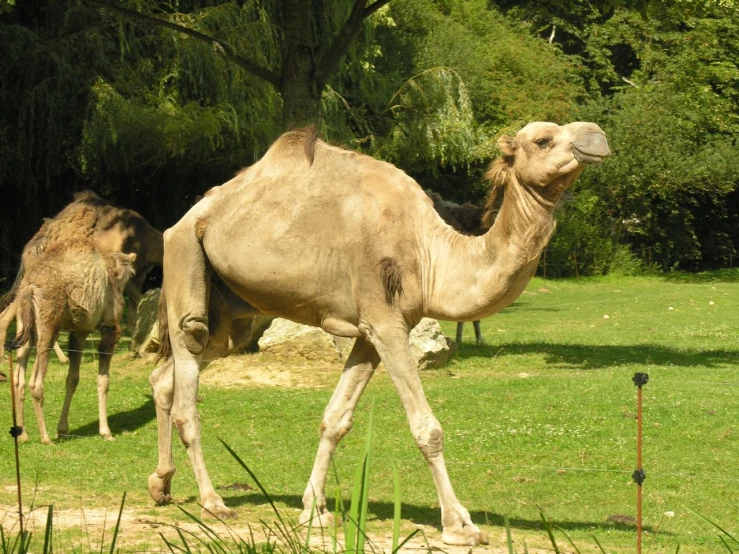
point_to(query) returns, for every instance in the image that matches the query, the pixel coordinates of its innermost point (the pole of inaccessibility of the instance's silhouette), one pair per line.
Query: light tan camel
(341, 241)
(113, 229)
(73, 286)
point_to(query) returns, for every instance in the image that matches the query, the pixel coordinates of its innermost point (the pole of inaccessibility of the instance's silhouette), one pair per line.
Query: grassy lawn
(542, 414)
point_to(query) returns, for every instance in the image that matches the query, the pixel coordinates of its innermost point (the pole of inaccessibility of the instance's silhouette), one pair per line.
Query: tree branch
(221, 47)
(331, 58)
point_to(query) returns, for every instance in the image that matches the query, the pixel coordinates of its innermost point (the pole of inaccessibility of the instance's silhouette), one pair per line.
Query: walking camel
(72, 286)
(113, 229)
(338, 240)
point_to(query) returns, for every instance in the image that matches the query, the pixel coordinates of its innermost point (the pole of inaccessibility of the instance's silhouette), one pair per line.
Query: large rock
(429, 346)
(287, 339)
(145, 339)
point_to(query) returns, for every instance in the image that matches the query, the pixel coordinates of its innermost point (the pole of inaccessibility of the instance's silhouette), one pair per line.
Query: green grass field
(542, 414)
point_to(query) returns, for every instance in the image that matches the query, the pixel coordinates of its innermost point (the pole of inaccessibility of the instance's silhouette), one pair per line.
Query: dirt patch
(259, 370)
(84, 529)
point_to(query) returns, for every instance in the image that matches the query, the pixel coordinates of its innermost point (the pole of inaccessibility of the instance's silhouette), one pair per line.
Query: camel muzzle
(591, 147)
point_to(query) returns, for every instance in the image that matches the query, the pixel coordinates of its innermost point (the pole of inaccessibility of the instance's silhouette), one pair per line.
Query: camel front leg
(337, 422)
(478, 332)
(75, 346)
(21, 363)
(108, 339)
(391, 342)
(162, 388)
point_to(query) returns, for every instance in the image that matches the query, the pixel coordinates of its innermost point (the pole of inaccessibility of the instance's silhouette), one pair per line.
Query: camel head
(549, 156)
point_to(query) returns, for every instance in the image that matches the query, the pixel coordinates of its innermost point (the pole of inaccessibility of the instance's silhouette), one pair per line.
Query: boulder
(287, 339)
(429, 346)
(145, 338)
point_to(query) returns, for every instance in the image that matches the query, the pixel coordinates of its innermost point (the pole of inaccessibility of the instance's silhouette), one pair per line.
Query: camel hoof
(323, 520)
(159, 489)
(107, 437)
(464, 536)
(218, 511)
(23, 437)
(46, 440)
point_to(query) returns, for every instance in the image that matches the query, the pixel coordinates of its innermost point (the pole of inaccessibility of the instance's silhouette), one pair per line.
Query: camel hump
(297, 142)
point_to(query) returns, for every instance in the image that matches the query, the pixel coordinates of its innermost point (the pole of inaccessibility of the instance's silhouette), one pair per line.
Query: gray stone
(145, 339)
(430, 347)
(287, 339)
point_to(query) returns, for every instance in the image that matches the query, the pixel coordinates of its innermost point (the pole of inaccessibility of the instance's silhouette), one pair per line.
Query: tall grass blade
(509, 539)
(604, 552)
(569, 540)
(117, 524)
(677, 550)
(310, 525)
(254, 477)
(409, 537)
(352, 526)
(548, 528)
(397, 508)
(716, 525)
(723, 540)
(364, 507)
(49, 527)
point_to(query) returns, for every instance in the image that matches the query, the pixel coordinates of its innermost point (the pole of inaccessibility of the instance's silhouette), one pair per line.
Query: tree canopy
(151, 103)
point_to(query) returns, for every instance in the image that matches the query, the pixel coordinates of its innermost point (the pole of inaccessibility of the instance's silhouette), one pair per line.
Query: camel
(74, 286)
(113, 229)
(465, 218)
(339, 240)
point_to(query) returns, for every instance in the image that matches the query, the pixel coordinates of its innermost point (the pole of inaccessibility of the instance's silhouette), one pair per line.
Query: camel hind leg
(187, 287)
(21, 363)
(162, 387)
(75, 347)
(44, 345)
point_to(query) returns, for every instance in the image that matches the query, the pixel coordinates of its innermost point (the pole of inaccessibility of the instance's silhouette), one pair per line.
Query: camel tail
(165, 344)
(8, 298)
(27, 316)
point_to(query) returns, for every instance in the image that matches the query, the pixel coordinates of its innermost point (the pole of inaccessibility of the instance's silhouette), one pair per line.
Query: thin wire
(94, 352)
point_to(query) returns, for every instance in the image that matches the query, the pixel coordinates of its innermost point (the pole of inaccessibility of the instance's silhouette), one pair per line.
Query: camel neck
(478, 276)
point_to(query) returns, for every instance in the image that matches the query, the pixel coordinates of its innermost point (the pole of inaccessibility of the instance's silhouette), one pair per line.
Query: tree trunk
(300, 97)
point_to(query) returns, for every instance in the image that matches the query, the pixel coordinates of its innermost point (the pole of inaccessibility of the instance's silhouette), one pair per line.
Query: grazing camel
(113, 229)
(467, 219)
(338, 240)
(74, 286)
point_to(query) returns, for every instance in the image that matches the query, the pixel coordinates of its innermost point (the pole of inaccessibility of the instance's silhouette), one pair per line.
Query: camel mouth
(591, 149)
(588, 158)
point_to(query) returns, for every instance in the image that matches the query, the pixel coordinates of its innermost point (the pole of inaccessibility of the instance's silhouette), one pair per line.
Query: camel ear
(507, 145)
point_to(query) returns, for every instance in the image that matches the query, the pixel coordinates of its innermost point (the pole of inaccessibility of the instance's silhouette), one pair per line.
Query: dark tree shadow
(579, 356)
(424, 515)
(718, 276)
(121, 422)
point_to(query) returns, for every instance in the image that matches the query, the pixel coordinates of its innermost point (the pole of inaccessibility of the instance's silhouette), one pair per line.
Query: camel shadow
(579, 356)
(423, 515)
(130, 420)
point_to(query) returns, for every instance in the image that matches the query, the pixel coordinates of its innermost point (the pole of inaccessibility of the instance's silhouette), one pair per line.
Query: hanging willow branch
(331, 58)
(221, 47)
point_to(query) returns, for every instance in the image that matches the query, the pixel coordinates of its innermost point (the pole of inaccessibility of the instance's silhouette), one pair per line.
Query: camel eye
(543, 142)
